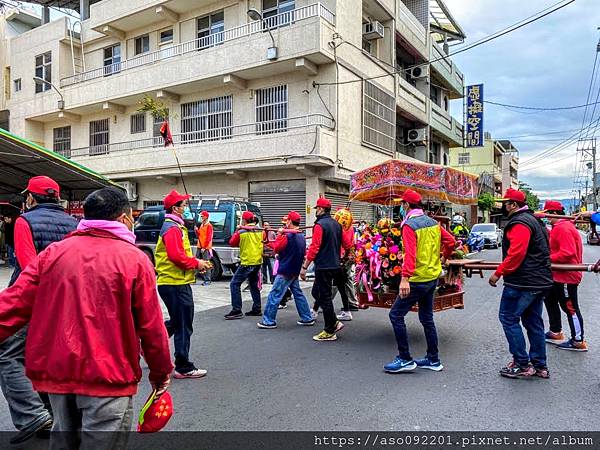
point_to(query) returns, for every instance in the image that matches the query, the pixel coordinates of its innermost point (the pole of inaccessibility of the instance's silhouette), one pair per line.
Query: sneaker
(542, 372)
(400, 365)
(282, 306)
(346, 316)
(574, 346)
(325, 336)
(555, 338)
(339, 326)
(25, 435)
(254, 313)
(206, 283)
(194, 373)
(265, 326)
(234, 314)
(427, 363)
(306, 323)
(517, 371)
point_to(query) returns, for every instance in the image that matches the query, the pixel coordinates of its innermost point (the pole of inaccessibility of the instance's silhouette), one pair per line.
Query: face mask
(504, 210)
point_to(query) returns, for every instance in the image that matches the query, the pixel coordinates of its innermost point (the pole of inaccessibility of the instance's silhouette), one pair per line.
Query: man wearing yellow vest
(176, 268)
(423, 239)
(249, 239)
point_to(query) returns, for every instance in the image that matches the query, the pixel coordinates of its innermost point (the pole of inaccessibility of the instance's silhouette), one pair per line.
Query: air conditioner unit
(131, 189)
(417, 135)
(420, 71)
(373, 30)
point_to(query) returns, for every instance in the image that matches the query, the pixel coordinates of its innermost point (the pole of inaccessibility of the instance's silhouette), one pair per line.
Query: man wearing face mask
(44, 223)
(176, 268)
(90, 300)
(527, 273)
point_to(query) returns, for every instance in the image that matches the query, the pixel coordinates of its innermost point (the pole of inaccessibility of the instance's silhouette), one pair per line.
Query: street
(282, 380)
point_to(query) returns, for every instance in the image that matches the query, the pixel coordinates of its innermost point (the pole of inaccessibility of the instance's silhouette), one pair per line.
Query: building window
(210, 29)
(138, 123)
(206, 120)
(445, 159)
(434, 95)
(62, 141)
(157, 122)
(379, 118)
(43, 70)
(99, 137)
(434, 153)
(112, 59)
(271, 110)
(464, 159)
(17, 84)
(278, 13)
(142, 44)
(166, 36)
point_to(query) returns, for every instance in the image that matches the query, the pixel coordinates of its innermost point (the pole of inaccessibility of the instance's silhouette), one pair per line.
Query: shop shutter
(278, 198)
(360, 210)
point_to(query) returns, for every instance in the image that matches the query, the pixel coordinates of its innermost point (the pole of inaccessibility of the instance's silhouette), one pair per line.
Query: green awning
(21, 159)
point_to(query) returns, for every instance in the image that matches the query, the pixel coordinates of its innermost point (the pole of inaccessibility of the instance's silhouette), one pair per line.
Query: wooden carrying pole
(483, 265)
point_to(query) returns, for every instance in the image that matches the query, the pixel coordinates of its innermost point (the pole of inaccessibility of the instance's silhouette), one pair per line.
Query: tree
(532, 200)
(486, 201)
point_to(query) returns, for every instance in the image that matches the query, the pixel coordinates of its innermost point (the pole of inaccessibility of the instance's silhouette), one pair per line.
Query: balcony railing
(444, 122)
(213, 40)
(258, 129)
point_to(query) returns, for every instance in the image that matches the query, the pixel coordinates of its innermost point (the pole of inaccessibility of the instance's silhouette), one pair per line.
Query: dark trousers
(526, 306)
(206, 255)
(267, 270)
(564, 296)
(322, 291)
(180, 303)
(243, 273)
(421, 293)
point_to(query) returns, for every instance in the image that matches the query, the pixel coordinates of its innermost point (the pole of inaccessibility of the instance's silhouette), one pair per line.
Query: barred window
(271, 110)
(62, 141)
(157, 121)
(379, 117)
(206, 120)
(138, 123)
(99, 137)
(464, 159)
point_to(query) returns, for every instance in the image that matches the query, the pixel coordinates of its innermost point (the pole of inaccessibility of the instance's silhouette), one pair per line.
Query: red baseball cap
(553, 205)
(322, 202)
(412, 197)
(512, 195)
(174, 197)
(204, 214)
(43, 185)
(155, 414)
(247, 215)
(294, 216)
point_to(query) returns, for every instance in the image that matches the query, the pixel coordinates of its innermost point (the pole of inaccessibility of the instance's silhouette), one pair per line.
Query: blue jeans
(179, 301)
(526, 306)
(421, 293)
(26, 408)
(243, 273)
(11, 255)
(280, 286)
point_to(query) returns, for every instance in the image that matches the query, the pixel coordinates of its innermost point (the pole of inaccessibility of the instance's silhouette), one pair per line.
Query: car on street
(492, 235)
(225, 215)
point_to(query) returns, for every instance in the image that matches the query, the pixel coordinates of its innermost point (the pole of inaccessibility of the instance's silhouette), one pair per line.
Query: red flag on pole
(165, 132)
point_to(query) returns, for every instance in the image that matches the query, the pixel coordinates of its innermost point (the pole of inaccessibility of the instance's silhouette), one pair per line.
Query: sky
(545, 64)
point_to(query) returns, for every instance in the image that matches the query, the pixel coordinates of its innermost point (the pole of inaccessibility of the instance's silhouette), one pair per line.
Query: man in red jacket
(99, 290)
(565, 248)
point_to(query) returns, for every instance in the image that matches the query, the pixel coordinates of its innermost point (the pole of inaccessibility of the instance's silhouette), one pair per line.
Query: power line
(536, 134)
(537, 108)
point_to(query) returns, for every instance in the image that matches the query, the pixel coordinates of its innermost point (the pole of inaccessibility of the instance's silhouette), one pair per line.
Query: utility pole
(594, 187)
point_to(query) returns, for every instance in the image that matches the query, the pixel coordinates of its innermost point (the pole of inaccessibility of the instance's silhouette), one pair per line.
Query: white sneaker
(314, 314)
(346, 316)
(196, 373)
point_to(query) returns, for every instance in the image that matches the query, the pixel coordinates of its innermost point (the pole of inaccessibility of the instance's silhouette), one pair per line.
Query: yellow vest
(168, 272)
(429, 242)
(251, 248)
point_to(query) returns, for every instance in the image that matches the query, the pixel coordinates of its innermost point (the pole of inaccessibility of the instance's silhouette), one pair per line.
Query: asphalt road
(282, 380)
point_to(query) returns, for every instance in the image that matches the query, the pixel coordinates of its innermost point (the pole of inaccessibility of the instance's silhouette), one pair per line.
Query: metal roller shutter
(278, 198)
(360, 210)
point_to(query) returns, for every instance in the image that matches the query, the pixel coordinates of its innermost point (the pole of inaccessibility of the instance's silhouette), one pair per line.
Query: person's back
(292, 257)
(251, 246)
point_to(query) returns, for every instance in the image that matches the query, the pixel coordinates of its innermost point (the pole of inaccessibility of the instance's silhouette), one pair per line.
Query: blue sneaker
(400, 365)
(426, 363)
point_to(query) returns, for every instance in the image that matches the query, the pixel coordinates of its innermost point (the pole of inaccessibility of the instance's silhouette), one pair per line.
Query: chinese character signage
(474, 125)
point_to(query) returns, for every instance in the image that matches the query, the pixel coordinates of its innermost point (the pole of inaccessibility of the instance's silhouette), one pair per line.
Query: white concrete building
(276, 109)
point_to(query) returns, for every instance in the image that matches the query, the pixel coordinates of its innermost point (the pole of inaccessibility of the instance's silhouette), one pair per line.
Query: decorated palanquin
(379, 246)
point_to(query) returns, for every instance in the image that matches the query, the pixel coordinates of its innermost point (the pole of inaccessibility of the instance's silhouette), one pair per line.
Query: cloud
(547, 63)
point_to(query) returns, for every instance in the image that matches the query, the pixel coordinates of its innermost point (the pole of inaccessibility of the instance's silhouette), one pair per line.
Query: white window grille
(271, 110)
(138, 123)
(62, 141)
(210, 30)
(99, 137)
(112, 59)
(206, 120)
(379, 118)
(142, 44)
(43, 70)
(464, 159)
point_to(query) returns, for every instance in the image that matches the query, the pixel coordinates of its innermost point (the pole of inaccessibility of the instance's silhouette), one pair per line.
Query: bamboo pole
(558, 267)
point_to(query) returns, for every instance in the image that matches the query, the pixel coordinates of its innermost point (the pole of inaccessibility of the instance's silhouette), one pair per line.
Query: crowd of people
(90, 278)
